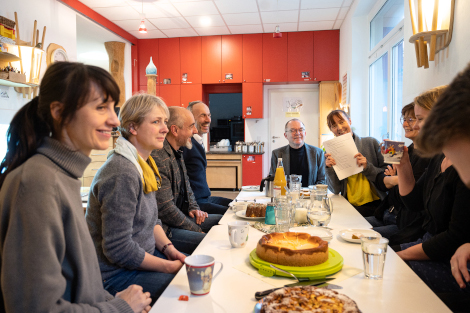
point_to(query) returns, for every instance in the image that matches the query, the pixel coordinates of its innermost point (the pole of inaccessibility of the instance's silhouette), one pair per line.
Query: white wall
(417, 80)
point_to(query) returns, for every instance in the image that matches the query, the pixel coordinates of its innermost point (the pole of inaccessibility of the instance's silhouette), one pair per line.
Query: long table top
(401, 290)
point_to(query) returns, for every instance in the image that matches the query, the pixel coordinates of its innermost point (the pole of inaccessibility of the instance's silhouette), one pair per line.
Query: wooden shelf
(9, 83)
(8, 57)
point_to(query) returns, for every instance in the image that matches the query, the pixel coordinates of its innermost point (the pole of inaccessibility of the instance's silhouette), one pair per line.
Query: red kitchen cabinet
(300, 56)
(147, 48)
(190, 51)
(252, 98)
(135, 69)
(211, 60)
(274, 58)
(190, 92)
(232, 52)
(169, 60)
(253, 58)
(252, 169)
(326, 55)
(171, 94)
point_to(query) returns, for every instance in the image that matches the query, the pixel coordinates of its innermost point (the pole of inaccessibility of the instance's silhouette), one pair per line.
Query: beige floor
(226, 194)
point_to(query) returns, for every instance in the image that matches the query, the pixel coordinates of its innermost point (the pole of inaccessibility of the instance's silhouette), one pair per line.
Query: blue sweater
(196, 163)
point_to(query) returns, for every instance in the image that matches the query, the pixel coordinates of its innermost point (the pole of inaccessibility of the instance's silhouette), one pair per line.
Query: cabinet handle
(244, 80)
(219, 80)
(224, 81)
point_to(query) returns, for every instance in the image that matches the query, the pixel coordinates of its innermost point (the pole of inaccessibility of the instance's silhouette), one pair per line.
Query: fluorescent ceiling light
(205, 21)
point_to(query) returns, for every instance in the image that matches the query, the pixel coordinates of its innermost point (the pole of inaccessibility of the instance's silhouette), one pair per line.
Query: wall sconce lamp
(277, 32)
(434, 27)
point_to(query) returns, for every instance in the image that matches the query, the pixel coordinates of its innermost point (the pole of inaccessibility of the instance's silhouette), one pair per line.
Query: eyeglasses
(293, 131)
(411, 121)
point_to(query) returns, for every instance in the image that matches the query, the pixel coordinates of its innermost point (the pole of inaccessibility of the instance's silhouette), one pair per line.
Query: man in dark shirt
(196, 163)
(298, 157)
(178, 210)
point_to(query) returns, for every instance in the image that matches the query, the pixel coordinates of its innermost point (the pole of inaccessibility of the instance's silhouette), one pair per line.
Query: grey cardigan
(169, 170)
(316, 163)
(48, 261)
(370, 148)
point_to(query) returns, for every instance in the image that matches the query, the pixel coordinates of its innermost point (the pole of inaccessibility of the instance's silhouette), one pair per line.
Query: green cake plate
(333, 265)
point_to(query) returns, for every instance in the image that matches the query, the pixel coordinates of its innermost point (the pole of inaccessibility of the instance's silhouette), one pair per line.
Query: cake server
(317, 282)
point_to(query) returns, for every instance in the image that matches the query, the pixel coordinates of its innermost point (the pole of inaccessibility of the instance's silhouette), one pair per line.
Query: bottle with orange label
(280, 180)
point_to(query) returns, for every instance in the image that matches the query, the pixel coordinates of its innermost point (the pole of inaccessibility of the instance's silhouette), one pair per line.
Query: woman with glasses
(359, 189)
(391, 219)
(443, 198)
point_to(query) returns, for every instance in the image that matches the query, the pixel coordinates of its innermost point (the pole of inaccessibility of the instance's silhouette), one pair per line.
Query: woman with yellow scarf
(122, 213)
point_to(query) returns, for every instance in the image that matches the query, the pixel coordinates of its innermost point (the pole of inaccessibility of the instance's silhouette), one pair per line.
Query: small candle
(301, 215)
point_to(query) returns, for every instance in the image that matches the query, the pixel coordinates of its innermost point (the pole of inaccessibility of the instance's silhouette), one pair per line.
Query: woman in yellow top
(359, 189)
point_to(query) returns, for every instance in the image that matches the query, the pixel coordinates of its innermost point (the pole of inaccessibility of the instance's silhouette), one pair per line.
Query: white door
(309, 115)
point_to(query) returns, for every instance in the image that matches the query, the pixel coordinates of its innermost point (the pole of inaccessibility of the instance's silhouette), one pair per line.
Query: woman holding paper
(443, 198)
(359, 189)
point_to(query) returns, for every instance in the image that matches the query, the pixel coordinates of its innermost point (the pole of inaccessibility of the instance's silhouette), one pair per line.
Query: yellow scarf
(150, 170)
(359, 190)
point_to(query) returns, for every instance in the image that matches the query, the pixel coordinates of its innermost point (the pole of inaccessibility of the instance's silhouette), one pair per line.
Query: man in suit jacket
(178, 210)
(298, 157)
(196, 163)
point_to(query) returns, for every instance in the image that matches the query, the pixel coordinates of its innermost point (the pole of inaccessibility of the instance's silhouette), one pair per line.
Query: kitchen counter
(231, 152)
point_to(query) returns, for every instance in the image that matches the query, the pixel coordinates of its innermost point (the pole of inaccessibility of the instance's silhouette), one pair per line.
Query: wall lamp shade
(142, 28)
(277, 32)
(31, 58)
(432, 22)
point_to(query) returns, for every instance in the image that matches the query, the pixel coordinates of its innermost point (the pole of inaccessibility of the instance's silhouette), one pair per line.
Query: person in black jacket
(196, 163)
(391, 219)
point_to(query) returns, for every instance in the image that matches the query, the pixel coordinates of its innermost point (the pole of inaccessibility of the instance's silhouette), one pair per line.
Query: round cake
(292, 249)
(308, 299)
(256, 210)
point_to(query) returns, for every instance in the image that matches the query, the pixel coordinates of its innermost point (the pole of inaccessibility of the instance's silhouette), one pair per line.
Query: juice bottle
(279, 180)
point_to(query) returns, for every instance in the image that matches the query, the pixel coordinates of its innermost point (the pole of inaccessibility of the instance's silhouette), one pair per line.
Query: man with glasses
(298, 157)
(177, 206)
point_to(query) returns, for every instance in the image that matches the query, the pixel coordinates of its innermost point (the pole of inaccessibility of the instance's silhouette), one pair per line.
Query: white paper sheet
(342, 150)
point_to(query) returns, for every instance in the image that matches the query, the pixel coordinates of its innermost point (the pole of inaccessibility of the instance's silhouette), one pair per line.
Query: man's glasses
(293, 131)
(411, 121)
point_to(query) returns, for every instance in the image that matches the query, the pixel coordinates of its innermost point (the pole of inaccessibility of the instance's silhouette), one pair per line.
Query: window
(386, 71)
(3, 140)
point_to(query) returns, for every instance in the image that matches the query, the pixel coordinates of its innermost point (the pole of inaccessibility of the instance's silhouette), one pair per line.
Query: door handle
(274, 137)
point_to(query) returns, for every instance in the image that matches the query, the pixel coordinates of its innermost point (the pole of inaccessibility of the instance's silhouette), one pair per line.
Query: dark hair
(409, 108)
(65, 82)
(448, 118)
(339, 114)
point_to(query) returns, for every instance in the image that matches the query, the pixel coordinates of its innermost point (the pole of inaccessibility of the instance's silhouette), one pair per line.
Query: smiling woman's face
(91, 126)
(421, 115)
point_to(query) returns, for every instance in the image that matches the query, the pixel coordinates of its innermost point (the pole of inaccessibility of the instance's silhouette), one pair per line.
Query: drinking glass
(318, 214)
(283, 211)
(374, 250)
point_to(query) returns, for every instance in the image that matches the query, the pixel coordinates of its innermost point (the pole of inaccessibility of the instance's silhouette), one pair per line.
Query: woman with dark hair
(122, 212)
(359, 189)
(391, 219)
(48, 262)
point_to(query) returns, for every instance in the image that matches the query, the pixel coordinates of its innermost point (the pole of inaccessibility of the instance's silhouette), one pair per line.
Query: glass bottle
(280, 180)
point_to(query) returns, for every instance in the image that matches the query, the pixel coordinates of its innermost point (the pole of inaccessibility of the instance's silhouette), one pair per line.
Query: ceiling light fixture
(205, 21)
(277, 32)
(142, 28)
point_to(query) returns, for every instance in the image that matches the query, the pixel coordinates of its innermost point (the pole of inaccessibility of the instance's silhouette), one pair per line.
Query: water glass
(374, 250)
(318, 214)
(283, 211)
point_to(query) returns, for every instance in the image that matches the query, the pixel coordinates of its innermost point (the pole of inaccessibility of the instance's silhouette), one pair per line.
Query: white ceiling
(183, 18)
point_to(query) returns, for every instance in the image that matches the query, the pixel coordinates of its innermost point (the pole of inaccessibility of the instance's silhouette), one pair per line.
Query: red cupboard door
(299, 56)
(253, 58)
(147, 48)
(274, 58)
(169, 60)
(171, 94)
(190, 51)
(325, 55)
(211, 60)
(232, 51)
(135, 69)
(252, 98)
(190, 92)
(252, 169)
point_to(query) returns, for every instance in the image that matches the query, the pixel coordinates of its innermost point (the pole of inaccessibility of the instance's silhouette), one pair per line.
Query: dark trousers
(368, 209)
(214, 205)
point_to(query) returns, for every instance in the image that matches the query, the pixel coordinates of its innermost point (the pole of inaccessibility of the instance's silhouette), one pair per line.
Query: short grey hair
(135, 109)
(176, 117)
(294, 119)
(193, 103)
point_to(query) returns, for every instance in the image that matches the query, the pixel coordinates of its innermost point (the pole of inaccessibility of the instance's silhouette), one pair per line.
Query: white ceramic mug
(238, 233)
(200, 269)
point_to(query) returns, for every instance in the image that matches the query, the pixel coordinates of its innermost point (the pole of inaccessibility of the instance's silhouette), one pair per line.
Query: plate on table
(250, 188)
(321, 232)
(242, 214)
(347, 234)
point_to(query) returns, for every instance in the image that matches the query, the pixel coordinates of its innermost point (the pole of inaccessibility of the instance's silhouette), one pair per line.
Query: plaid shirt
(168, 212)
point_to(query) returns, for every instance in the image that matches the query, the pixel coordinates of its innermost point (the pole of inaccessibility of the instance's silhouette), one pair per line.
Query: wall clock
(56, 53)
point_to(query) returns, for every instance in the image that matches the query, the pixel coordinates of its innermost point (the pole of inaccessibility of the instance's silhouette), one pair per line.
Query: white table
(401, 290)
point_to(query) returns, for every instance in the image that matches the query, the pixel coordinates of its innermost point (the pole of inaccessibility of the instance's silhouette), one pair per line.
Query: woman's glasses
(411, 121)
